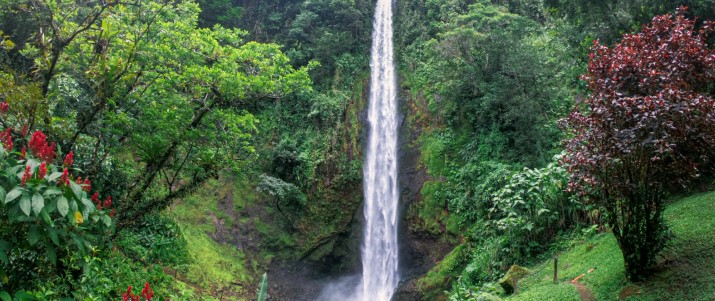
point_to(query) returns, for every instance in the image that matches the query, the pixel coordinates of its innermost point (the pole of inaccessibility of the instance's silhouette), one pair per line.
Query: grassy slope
(218, 270)
(684, 271)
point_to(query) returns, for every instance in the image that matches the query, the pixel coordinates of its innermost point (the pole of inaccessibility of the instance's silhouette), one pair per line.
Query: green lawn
(685, 272)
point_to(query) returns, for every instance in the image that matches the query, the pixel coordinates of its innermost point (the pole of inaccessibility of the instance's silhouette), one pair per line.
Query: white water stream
(379, 249)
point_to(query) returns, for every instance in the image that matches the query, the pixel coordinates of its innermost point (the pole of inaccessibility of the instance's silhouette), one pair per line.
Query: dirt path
(583, 291)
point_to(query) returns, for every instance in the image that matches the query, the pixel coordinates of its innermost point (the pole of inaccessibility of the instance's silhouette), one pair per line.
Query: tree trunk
(640, 232)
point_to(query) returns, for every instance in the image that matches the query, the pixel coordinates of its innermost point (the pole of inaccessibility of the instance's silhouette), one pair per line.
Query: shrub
(649, 129)
(47, 219)
(532, 208)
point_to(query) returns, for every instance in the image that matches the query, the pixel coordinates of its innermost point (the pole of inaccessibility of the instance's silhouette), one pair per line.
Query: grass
(684, 272)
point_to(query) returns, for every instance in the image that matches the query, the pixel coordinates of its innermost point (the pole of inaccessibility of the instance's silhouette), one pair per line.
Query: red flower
(25, 128)
(42, 172)
(39, 147)
(64, 179)
(111, 214)
(23, 153)
(37, 143)
(26, 176)
(4, 107)
(129, 296)
(95, 200)
(108, 202)
(69, 159)
(147, 293)
(49, 153)
(6, 139)
(87, 185)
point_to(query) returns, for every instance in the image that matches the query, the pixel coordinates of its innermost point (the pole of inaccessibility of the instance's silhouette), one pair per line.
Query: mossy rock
(508, 282)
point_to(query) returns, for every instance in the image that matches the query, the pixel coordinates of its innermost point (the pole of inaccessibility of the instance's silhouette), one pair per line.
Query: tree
(647, 129)
(160, 105)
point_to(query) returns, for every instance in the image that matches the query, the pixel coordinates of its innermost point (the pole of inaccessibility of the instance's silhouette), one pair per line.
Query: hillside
(684, 270)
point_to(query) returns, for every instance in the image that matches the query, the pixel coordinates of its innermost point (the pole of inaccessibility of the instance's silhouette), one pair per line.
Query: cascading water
(379, 249)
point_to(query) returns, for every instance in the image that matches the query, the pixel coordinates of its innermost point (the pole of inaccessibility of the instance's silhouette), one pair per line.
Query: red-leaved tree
(647, 128)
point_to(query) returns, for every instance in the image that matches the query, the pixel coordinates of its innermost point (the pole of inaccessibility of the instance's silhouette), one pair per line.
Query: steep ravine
(419, 251)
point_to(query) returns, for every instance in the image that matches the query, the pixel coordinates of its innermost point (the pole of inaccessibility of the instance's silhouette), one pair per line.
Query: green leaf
(12, 172)
(14, 193)
(46, 217)
(77, 190)
(38, 202)
(107, 220)
(4, 296)
(25, 204)
(3, 194)
(50, 206)
(52, 254)
(3, 257)
(62, 206)
(87, 203)
(54, 176)
(33, 235)
(5, 245)
(262, 288)
(23, 296)
(73, 206)
(52, 191)
(52, 233)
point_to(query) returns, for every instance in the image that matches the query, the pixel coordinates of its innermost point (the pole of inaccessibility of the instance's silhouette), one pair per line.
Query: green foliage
(332, 32)
(502, 102)
(157, 239)
(532, 208)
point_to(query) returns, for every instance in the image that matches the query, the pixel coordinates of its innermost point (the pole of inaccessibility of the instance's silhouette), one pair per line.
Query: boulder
(508, 282)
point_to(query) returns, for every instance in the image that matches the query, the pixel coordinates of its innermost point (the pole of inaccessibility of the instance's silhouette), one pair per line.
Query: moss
(512, 277)
(433, 155)
(430, 214)
(439, 278)
(322, 251)
(216, 267)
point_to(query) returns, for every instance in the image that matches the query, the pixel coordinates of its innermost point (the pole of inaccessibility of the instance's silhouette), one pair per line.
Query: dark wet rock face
(419, 251)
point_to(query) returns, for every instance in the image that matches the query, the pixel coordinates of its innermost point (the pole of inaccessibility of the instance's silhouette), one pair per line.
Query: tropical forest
(355, 150)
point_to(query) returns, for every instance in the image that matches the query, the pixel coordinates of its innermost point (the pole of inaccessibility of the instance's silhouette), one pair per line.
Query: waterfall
(379, 249)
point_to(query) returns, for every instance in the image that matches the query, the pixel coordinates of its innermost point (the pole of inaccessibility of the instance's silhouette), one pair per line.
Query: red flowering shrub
(43, 210)
(649, 128)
